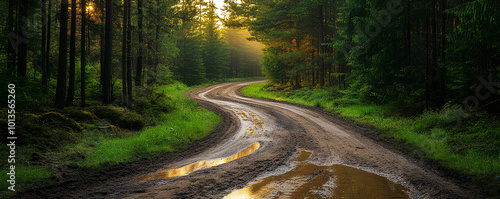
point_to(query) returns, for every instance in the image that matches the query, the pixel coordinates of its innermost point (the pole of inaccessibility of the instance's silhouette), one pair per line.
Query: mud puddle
(307, 180)
(250, 119)
(168, 173)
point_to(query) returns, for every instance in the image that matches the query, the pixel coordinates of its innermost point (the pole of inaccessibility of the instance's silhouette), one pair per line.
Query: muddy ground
(283, 130)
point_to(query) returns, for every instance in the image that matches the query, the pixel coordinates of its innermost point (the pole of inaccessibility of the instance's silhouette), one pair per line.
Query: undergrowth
(53, 143)
(176, 130)
(468, 143)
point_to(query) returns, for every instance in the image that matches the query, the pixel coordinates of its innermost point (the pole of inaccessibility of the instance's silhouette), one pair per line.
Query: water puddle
(252, 120)
(307, 180)
(250, 131)
(168, 173)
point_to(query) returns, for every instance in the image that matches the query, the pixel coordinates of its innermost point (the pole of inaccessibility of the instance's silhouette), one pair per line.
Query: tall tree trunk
(102, 34)
(138, 74)
(443, 53)
(47, 58)
(427, 49)
(82, 53)
(11, 53)
(434, 48)
(297, 73)
(22, 54)
(43, 49)
(344, 76)
(72, 60)
(63, 53)
(320, 49)
(102, 47)
(108, 53)
(157, 49)
(313, 69)
(129, 61)
(408, 31)
(124, 55)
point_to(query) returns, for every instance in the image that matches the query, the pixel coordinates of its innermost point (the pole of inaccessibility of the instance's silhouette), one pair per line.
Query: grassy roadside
(54, 142)
(466, 143)
(175, 130)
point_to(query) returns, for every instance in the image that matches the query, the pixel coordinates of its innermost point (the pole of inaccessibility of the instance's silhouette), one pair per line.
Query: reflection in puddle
(243, 114)
(307, 180)
(254, 122)
(168, 173)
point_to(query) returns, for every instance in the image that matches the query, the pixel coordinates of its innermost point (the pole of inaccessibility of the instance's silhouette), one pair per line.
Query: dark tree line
(72, 50)
(414, 53)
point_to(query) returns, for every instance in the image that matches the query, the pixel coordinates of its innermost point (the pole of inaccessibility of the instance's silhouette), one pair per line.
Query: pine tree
(107, 67)
(124, 54)
(138, 75)
(213, 46)
(63, 59)
(72, 55)
(83, 53)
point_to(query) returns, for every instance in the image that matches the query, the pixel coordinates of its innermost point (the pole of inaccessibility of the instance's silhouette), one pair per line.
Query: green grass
(174, 122)
(26, 174)
(473, 148)
(176, 130)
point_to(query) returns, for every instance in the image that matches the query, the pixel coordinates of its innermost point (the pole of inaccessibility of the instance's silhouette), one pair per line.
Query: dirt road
(268, 149)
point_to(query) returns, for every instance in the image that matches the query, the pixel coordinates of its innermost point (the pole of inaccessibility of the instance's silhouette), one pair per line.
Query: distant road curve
(257, 141)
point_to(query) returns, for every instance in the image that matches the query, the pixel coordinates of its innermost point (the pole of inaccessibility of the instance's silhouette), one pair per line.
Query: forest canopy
(418, 54)
(62, 54)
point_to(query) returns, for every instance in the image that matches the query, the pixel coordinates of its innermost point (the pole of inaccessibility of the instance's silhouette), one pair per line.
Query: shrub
(447, 118)
(80, 115)
(49, 130)
(120, 117)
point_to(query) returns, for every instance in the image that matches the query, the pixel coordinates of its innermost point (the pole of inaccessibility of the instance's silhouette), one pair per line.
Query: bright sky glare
(219, 4)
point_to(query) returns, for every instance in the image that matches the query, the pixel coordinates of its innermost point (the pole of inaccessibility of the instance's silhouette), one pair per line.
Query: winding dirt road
(268, 149)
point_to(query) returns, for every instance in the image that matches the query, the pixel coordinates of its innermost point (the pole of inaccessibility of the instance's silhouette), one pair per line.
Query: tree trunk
(129, 61)
(43, 50)
(82, 53)
(102, 35)
(108, 53)
(443, 54)
(124, 55)
(47, 58)
(157, 46)
(11, 53)
(138, 74)
(313, 69)
(427, 62)
(434, 48)
(320, 51)
(63, 59)
(72, 60)
(408, 31)
(102, 46)
(22, 53)
(297, 73)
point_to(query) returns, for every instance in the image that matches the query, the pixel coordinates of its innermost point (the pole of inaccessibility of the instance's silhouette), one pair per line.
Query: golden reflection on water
(307, 180)
(168, 173)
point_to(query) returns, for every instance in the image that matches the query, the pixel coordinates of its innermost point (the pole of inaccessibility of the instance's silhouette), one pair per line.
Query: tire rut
(285, 129)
